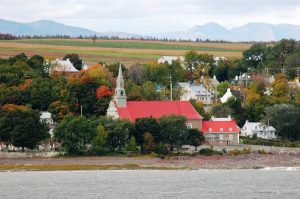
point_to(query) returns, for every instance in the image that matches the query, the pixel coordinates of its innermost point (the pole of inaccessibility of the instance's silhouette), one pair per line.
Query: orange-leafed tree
(103, 91)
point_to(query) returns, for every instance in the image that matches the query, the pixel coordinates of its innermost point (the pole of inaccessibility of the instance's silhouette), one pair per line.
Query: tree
(74, 58)
(94, 38)
(118, 132)
(75, 134)
(174, 130)
(285, 119)
(99, 145)
(136, 73)
(22, 127)
(39, 93)
(221, 110)
(148, 145)
(195, 138)
(200, 109)
(150, 125)
(131, 146)
(114, 69)
(222, 88)
(255, 55)
(148, 91)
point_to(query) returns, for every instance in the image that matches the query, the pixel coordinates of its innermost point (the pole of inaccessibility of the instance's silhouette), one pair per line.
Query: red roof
(156, 109)
(220, 127)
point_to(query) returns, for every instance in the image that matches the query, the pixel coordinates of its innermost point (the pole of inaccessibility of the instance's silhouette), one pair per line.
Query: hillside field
(110, 51)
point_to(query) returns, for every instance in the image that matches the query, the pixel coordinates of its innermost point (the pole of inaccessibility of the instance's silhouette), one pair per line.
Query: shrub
(209, 152)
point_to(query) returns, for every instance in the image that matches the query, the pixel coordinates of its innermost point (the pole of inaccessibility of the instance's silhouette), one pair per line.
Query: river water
(264, 183)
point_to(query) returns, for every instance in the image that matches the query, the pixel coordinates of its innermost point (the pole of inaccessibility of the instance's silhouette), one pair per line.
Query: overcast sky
(151, 16)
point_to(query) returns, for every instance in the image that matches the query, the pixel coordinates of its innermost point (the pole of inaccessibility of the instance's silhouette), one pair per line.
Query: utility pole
(298, 73)
(171, 89)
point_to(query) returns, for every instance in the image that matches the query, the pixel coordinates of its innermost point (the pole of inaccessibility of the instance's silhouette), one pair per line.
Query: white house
(170, 59)
(65, 66)
(195, 91)
(261, 130)
(46, 117)
(227, 96)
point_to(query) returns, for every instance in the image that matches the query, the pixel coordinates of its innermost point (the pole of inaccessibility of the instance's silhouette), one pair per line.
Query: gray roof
(198, 89)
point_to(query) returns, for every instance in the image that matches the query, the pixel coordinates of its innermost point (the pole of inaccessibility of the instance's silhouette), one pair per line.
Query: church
(119, 107)
(217, 131)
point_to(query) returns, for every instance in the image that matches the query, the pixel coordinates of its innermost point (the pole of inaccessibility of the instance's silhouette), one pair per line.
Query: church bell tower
(120, 96)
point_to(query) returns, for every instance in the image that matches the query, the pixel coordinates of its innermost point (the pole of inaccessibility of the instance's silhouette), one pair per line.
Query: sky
(151, 16)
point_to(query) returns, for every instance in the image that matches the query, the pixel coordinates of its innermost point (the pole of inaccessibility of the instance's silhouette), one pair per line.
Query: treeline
(7, 37)
(81, 135)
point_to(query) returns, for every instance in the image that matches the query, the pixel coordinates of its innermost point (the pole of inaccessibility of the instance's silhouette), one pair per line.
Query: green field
(130, 51)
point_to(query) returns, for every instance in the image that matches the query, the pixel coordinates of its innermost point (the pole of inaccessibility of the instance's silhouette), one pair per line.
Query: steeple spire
(120, 95)
(120, 71)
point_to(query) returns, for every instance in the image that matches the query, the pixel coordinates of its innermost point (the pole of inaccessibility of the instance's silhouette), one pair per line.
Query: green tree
(75, 134)
(254, 56)
(131, 146)
(99, 145)
(39, 93)
(222, 88)
(148, 91)
(285, 119)
(118, 132)
(195, 138)
(174, 130)
(143, 125)
(22, 128)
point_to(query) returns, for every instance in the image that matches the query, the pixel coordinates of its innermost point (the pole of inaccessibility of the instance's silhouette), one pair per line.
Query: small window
(230, 137)
(210, 129)
(230, 129)
(189, 125)
(221, 129)
(121, 93)
(221, 137)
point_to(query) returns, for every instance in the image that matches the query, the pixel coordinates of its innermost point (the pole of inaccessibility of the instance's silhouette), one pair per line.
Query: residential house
(63, 66)
(46, 117)
(231, 93)
(221, 131)
(195, 91)
(242, 80)
(261, 130)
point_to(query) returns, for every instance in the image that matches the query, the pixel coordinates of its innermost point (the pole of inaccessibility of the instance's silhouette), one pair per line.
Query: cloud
(155, 15)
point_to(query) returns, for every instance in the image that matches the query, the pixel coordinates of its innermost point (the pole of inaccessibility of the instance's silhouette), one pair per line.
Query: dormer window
(210, 129)
(221, 129)
(230, 129)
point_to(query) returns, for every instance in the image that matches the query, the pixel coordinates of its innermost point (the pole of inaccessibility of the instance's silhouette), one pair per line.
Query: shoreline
(224, 162)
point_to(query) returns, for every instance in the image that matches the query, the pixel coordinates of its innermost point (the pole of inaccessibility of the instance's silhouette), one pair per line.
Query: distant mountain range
(248, 32)
(212, 31)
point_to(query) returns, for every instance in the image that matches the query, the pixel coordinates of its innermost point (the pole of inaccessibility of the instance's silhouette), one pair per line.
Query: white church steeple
(120, 96)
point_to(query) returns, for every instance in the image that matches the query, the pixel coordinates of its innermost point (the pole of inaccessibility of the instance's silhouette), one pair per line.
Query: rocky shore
(248, 161)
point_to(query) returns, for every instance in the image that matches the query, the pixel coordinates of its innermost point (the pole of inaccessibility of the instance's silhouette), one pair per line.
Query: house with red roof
(221, 131)
(216, 132)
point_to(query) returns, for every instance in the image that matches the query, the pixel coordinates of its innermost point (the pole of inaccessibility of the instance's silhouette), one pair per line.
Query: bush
(236, 152)
(271, 142)
(209, 152)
